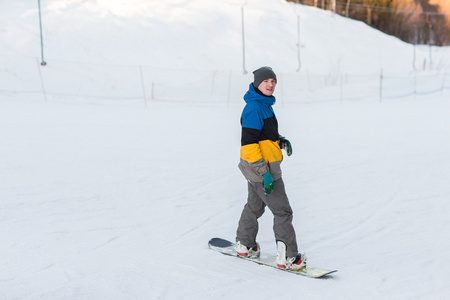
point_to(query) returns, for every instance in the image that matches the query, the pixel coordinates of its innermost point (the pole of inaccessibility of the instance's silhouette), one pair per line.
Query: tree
(370, 4)
(414, 21)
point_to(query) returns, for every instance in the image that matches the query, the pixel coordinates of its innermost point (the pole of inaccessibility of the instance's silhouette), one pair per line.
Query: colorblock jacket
(260, 150)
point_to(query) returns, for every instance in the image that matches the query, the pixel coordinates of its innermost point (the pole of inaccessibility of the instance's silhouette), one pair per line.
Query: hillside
(205, 35)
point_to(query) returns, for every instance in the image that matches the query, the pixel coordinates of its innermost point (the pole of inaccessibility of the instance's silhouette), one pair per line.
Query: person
(260, 161)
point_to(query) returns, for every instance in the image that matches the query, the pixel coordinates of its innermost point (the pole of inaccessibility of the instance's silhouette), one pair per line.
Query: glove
(268, 183)
(286, 145)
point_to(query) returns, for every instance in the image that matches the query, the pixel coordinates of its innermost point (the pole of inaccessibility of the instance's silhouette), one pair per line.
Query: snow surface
(115, 201)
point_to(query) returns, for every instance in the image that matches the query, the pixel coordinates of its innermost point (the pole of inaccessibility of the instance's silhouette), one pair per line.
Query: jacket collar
(254, 94)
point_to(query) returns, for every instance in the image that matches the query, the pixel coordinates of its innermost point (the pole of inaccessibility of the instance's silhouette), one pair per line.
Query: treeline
(413, 21)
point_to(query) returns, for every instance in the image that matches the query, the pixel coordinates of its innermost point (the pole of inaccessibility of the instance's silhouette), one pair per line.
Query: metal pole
(298, 43)
(43, 63)
(243, 39)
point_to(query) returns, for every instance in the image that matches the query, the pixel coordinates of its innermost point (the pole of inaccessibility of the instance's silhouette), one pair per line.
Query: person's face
(267, 87)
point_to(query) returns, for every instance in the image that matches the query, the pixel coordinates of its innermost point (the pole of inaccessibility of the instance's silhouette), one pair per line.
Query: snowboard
(228, 248)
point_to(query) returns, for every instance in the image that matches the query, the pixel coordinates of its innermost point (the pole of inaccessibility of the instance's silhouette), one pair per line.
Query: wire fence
(143, 84)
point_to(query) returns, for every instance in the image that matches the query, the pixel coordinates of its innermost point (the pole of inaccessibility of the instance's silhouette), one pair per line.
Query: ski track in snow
(130, 223)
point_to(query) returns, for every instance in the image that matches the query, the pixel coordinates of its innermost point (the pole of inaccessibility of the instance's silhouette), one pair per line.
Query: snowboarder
(260, 161)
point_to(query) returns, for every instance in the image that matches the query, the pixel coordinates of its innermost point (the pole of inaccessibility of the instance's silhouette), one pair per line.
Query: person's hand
(268, 183)
(286, 145)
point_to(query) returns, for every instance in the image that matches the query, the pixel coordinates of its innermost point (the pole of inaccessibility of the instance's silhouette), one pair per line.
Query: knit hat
(262, 74)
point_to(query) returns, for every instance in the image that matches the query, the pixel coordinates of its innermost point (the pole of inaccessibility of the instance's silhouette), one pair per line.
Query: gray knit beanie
(262, 74)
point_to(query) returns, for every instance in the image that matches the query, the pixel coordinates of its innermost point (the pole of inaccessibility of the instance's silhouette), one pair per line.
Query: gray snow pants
(278, 203)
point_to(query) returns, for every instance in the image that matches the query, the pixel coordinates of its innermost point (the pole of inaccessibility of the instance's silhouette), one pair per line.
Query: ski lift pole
(243, 38)
(43, 63)
(298, 37)
(298, 44)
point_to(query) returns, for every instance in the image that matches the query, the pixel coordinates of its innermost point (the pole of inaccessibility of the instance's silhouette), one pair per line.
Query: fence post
(308, 80)
(381, 85)
(415, 84)
(281, 89)
(153, 90)
(213, 81)
(229, 88)
(443, 84)
(42, 81)
(143, 86)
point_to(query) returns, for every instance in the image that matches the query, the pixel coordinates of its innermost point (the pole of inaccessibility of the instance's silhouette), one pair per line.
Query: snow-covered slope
(200, 34)
(118, 201)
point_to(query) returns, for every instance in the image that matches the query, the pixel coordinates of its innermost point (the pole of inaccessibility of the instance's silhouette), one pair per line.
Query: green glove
(268, 183)
(286, 145)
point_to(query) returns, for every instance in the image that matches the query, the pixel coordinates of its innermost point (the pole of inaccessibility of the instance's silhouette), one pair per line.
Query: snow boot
(291, 263)
(245, 251)
(281, 255)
